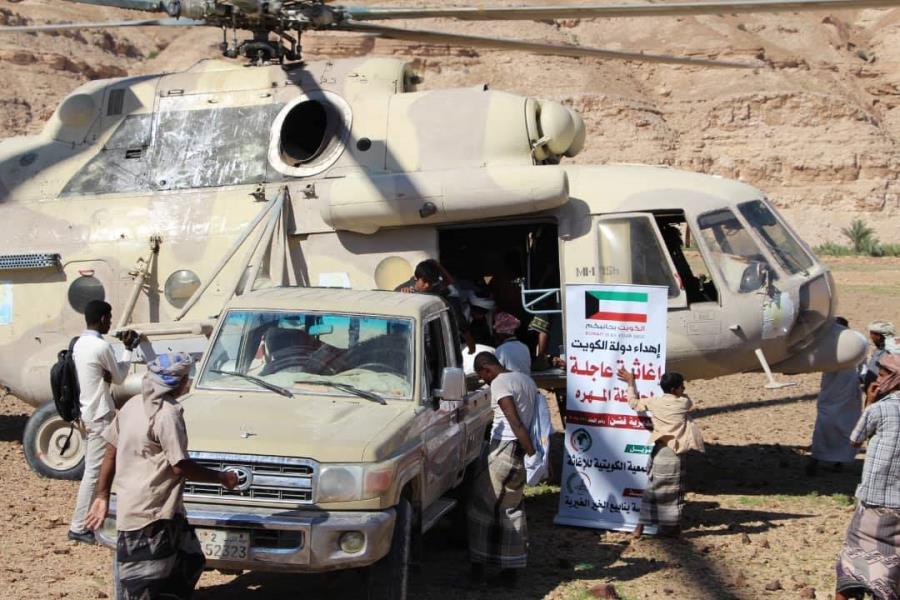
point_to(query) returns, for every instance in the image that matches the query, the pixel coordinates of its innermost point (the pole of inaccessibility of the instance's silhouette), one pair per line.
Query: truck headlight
(340, 484)
(348, 483)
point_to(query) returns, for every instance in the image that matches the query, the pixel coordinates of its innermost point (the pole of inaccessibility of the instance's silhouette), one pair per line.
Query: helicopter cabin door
(633, 251)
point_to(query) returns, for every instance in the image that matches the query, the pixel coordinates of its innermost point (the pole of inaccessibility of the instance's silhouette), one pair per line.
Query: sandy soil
(753, 519)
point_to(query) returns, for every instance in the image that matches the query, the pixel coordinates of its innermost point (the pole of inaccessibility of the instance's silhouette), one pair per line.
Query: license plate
(222, 544)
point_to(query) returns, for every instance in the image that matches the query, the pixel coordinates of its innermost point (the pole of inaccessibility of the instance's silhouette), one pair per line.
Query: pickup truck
(348, 419)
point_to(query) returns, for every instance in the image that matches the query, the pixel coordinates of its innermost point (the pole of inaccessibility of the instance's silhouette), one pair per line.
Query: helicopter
(167, 195)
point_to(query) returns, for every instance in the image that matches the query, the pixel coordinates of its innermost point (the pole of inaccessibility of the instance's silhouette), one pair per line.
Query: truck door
(442, 433)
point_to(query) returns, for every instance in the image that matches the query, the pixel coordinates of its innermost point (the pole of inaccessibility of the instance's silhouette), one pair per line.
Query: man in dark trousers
(157, 551)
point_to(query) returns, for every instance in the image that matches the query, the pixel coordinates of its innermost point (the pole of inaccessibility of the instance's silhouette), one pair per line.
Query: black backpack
(64, 383)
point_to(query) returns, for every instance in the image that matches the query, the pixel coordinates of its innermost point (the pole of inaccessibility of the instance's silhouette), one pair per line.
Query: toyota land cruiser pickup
(347, 418)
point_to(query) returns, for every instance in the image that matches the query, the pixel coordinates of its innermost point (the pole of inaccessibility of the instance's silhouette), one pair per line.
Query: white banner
(607, 444)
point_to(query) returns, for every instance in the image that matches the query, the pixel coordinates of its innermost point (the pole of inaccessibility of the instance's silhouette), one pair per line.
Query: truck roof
(340, 300)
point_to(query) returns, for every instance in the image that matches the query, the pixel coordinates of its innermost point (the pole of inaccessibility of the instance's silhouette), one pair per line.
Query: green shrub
(871, 247)
(833, 249)
(891, 249)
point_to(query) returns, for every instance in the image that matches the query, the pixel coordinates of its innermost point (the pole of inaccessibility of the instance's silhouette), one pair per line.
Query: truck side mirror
(453, 385)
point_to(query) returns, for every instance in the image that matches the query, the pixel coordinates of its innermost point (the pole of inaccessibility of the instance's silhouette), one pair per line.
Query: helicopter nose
(839, 348)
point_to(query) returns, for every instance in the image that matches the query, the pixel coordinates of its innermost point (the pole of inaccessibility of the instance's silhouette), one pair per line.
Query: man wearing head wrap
(512, 354)
(157, 552)
(882, 335)
(869, 560)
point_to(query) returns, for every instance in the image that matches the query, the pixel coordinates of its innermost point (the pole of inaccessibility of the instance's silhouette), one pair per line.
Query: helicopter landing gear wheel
(46, 449)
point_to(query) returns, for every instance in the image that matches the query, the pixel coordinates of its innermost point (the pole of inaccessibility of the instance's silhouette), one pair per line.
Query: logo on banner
(578, 490)
(632, 493)
(638, 449)
(581, 440)
(623, 307)
(578, 483)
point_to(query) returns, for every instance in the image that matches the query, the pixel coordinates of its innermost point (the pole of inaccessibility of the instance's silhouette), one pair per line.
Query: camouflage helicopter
(167, 195)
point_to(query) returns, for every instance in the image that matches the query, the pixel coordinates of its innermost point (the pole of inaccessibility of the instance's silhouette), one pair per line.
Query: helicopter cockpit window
(210, 147)
(119, 166)
(737, 256)
(630, 252)
(781, 242)
(687, 259)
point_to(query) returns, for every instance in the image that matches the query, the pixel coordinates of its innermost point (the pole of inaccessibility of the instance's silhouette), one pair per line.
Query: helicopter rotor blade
(102, 25)
(148, 5)
(568, 11)
(435, 37)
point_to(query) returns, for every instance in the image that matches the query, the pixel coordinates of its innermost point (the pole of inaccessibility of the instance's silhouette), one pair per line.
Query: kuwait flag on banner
(629, 307)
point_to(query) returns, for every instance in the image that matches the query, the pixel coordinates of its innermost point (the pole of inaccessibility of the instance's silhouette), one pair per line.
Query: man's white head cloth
(883, 327)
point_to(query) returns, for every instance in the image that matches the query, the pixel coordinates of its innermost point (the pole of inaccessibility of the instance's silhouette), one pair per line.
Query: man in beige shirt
(674, 433)
(157, 552)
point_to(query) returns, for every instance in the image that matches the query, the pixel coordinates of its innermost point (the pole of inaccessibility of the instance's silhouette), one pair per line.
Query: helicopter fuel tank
(366, 204)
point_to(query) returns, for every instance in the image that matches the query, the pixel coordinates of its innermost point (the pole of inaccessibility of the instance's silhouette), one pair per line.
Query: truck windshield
(739, 259)
(308, 352)
(784, 246)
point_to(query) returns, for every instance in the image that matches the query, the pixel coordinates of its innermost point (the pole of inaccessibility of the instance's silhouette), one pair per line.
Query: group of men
(143, 444)
(487, 314)
(854, 406)
(495, 502)
(842, 397)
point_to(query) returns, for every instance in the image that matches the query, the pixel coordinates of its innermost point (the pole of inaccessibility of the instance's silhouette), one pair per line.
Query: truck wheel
(388, 577)
(44, 442)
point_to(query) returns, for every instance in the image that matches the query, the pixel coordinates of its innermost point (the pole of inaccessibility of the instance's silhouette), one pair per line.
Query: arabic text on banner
(607, 444)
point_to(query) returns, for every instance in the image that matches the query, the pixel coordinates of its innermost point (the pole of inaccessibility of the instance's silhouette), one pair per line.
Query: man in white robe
(838, 408)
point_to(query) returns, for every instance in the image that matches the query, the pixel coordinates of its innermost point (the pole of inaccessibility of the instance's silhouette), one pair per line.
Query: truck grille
(272, 479)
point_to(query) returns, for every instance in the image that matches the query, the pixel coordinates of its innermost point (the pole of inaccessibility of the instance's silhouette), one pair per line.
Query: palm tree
(861, 236)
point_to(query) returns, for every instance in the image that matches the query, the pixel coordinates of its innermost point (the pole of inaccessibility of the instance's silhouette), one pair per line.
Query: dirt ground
(756, 526)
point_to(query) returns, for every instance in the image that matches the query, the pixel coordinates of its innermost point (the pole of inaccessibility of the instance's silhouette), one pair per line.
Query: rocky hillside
(818, 130)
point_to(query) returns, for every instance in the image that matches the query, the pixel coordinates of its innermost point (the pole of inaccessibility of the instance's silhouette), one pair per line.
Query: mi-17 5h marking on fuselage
(167, 195)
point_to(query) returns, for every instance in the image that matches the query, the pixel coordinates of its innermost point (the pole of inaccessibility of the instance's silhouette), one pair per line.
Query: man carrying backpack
(97, 367)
